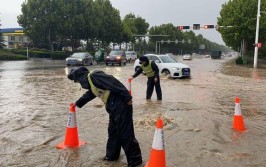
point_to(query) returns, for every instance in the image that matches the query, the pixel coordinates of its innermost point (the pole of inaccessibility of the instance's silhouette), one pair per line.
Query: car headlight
(80, 59)
(66, 59)
(176, 68)
(118, 57)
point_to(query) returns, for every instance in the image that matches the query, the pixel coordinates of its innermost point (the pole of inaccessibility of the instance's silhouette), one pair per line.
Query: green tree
(109, 23)
(90, 31)
(179, 48)
(241, 15)
(134, 26)
(71, 21)
(165, 29)
(39, 20)
(129, 26)
(50, 21)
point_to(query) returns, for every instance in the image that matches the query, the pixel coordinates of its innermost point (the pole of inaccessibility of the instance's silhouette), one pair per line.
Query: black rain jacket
(103, 81)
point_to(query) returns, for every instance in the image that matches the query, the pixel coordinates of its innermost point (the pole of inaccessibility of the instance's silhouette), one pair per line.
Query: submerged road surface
(197, 112)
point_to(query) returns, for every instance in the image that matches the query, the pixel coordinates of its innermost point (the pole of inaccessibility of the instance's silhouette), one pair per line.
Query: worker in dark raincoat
(152, 72)
(118, 103)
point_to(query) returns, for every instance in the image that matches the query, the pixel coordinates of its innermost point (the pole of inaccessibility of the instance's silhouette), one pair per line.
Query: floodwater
(197, 112)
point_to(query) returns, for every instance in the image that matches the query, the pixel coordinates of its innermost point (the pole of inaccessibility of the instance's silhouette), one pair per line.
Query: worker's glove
(131, 78)
(72, 104)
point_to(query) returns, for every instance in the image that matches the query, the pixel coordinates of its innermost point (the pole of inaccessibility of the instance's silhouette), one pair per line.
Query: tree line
(238, 25)
(52, 24)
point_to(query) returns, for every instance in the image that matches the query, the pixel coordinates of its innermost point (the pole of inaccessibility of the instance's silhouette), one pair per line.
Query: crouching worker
(118, 103)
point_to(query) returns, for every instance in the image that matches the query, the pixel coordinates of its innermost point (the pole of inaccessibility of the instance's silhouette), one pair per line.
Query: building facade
(14, 38)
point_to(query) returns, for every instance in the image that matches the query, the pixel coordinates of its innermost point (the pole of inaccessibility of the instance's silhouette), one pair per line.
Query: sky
(155, 12)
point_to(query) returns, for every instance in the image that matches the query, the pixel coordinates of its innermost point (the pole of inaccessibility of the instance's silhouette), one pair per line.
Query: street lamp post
(257, 36)
(144, 35)
(156, 49)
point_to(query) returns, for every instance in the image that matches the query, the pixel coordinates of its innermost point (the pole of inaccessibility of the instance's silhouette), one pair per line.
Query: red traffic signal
(179, 27)
(183, 27)
(208, 26)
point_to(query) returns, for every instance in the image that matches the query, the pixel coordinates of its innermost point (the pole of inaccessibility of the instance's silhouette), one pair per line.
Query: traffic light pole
(257, 36)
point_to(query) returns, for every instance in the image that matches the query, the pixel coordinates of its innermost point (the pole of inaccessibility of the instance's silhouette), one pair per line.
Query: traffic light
(196, 26)
(183, 27)
(179, 27)
(208, 26)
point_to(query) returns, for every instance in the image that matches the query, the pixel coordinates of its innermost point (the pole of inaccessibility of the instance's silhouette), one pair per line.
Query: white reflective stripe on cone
(158, 140)
(72, 123)
(237, 109)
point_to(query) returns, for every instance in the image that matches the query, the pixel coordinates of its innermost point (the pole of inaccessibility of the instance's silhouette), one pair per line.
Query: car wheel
(166, 72)
(125, 62)
(120, 64)
(106, 64)
(68, 64)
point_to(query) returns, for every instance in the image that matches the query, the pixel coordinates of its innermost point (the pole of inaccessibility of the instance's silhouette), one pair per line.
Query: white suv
(131, 56)
(167, 65)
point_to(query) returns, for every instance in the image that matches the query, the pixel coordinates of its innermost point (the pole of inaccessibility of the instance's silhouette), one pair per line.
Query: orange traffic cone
(238, 123)
(71, 138)
(129, 86)
(157, 157)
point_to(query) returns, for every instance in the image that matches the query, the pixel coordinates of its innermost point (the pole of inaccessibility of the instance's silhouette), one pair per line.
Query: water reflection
(256, 75)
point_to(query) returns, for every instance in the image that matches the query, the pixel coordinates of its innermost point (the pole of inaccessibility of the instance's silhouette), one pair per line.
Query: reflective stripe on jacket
(102, 94)
(148, 70)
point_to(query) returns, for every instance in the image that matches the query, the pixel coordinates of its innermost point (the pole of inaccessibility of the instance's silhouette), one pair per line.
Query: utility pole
(27, 41)
(257, 36)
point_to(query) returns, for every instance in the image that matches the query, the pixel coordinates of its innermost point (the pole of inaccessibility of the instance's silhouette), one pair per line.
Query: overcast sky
(155, 12)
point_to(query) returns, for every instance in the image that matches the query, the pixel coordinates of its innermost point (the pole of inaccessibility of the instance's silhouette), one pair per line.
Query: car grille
(186, 71)
(72, 61)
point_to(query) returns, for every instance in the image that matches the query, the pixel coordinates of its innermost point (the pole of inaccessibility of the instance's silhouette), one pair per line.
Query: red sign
(259, 45)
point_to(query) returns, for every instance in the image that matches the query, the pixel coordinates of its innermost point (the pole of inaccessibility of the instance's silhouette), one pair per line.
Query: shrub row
(43, 54)
(6, 56)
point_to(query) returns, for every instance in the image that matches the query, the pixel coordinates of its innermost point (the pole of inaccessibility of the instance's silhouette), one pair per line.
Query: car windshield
(167, 59)
(116, 53)
(129, 53)
(78, 55)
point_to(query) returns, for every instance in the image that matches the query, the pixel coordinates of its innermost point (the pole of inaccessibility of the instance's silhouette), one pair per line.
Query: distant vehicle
(187, 57)
(131, 56)
(167, 65)
(216, 54)
(116, 57)
(194, 54)
(80, 58)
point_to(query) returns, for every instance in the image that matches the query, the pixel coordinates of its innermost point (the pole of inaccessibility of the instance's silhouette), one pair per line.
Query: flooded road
(198, 114)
